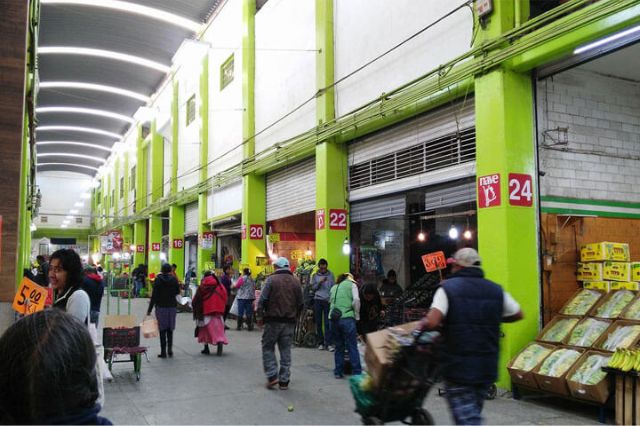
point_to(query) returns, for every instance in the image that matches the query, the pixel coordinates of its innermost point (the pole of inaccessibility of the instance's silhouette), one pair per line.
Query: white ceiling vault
(99, 61)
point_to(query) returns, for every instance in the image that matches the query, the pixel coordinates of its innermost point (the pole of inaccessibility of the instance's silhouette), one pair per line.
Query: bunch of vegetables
(558, 362)
(615, 304)
(633, 312)
(587, 332)
(590, 372)
(582, 302)
(306, 267)
(559, 330)
(625, 360)
(622, 337)
(529, 358)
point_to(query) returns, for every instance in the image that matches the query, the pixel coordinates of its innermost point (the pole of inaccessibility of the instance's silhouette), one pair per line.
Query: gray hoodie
(322, 289)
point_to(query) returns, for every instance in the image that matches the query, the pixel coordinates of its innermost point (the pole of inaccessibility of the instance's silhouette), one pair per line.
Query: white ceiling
(623, 63)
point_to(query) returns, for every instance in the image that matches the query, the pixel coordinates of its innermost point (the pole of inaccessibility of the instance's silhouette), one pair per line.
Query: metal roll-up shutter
(449, 196)
(191, 218)
(292, 190)
(378, 209)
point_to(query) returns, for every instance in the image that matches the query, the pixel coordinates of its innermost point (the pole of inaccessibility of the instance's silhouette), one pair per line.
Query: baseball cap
(282, 262)
(466, 257)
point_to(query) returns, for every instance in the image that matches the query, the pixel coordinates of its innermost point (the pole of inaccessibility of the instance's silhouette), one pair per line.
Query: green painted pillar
(23, 230)
(331, 158)
(127, 241)
(140, 240)
(155, 244)
(254, 200)
(141, 174)
(204, 255)
(507, 234)
(175, 131)
(176, 238)
(125, 184)
(116, 185)
(157, 163)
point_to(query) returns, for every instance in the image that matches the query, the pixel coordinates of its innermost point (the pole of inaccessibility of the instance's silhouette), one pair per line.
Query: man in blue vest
(470, 309)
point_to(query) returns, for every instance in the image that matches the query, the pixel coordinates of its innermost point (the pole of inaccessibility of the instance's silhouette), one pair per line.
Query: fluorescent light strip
(71, 143)
(109, 54)
(78, 129)
(68, 165)
(65, 154)
(90, 86)
(124, 6)
(90, 111)
(606, 40)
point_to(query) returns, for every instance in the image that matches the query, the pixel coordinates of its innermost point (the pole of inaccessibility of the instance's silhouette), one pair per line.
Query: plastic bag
(149, 327)
(234, 307)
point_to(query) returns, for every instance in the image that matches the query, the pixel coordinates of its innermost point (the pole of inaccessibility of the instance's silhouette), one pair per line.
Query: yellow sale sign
(30, 297)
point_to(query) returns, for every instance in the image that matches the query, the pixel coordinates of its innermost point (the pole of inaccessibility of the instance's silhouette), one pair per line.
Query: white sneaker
(320, 347)
(332, 348)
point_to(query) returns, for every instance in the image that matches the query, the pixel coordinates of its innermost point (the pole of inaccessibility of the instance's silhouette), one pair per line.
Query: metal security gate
(191, 218)
(291, 190)
(450, 195)
(378, 208)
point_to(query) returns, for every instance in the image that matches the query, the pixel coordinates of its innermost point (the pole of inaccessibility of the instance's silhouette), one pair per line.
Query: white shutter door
(378, 209)
(191, 218)
(292, 190)
(450, 195)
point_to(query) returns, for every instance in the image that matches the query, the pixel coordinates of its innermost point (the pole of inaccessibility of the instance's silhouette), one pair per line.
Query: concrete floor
(192, 388)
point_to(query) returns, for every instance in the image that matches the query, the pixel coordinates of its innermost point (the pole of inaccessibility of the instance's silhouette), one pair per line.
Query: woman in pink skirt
(208, 307)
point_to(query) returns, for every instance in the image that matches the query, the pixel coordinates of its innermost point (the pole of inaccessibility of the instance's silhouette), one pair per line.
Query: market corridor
(192, 388)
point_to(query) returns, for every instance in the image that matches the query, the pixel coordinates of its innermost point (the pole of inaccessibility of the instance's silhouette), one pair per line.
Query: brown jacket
(281, 297)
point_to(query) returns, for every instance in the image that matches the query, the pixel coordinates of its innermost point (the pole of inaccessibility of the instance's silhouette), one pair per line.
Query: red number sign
(256, 232)
(489, 191)
(178, 243)
(434, 261)
(140, 248)
(243, 232)
(320, 219)
(155, 246)
(337, 219)
(520, 190)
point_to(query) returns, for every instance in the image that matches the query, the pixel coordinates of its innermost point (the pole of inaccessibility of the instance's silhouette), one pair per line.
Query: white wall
(603, 115)
(226, 199)
(188, 136)
(364, 29)
(284, 78)
(225, 106)
(60, 190)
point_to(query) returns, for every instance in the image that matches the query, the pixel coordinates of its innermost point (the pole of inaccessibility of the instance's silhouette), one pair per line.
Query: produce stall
(600, 319)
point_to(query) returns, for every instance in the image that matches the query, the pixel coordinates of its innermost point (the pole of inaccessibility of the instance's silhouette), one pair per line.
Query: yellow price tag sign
(30, 297)
(274, 238)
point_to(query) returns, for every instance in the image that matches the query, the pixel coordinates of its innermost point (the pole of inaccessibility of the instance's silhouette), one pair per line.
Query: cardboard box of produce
(604, 251)
(635, 271)
(551, 373)
(596, 388)
(616, 271)
(613, 339)
(613, 304)
(522, 365)
(581, 302)
(597, 285)
(557, 330)
(377, 354)
(625, 285)
(589, 271)
(632, 311)
(587, 332)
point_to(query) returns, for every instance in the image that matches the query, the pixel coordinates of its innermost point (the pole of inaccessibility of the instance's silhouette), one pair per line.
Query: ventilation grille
(78, 220)
(44, 219)
(455, 148)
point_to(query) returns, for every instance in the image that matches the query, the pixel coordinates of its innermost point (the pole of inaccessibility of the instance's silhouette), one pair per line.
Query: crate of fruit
(550, 375)
(612, 305)
(557, 330)
(587, 380)
(587, 332)
(522, 365)
(621, 334)
(581, 302)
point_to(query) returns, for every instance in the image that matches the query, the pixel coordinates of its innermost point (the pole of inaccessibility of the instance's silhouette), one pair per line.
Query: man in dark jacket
(470, 309)
(94, 286)
(280, 302)
(163, 298)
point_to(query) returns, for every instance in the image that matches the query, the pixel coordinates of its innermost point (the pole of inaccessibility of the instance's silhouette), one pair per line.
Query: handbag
(150, 327)
(234, 307)
(335, 313)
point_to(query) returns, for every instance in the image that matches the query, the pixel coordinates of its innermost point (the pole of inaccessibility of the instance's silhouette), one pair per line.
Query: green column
(331, 158)
(157, 163)
(140, 240)
(254, 187)
(116, 186)
(175, 131)
(155, 237)
(141, 174)
(125, 174)
(204, 255)
(127, 241)
(507, 235)
(176, 233)
(23, 229)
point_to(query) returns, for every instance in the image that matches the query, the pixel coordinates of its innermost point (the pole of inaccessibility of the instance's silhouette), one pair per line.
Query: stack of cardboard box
(606, 266)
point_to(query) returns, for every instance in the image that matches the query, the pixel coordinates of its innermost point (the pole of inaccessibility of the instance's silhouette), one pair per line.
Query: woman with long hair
(165, 290)
(208, 310)
(65, 276)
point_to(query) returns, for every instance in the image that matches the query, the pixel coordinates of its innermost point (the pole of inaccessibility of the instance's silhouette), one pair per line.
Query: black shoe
(170, 353)
(226, 327)
(219, 351)
(162, 355)
(205, 351)
(284, 385)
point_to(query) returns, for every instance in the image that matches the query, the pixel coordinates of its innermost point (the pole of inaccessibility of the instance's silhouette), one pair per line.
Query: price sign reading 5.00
(30, 297)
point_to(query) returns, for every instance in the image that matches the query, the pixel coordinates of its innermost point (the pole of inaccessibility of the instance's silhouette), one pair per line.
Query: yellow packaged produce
(559, 362)
(625, 285)
(623, 336)
(614, 304)
(587, 332)
(635, 271)
(581, 302)
(558, 330)
(605, 251)
(590, 271)
(616, 271)
(530, 357)
(597, 285)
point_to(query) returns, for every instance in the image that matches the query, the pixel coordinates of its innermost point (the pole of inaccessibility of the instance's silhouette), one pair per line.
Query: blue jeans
(344, 333)
(466, 402)
(320, 315)
(245, 306)
(137, 286)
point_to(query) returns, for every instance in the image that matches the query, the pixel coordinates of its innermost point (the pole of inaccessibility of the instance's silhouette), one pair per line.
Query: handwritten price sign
(434, 261)
(30, 297)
